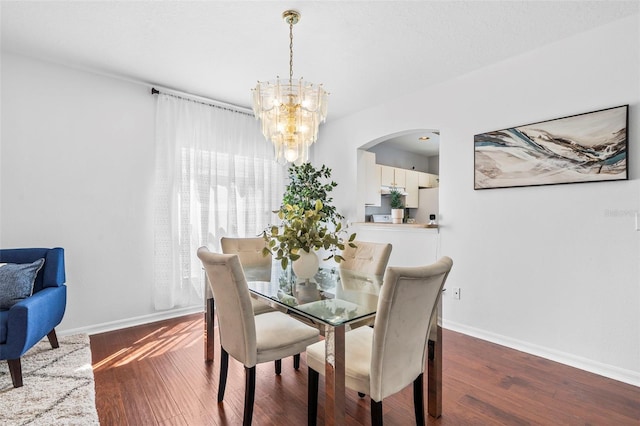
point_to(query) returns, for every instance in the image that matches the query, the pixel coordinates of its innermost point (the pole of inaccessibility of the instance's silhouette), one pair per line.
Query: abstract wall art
(589, 147)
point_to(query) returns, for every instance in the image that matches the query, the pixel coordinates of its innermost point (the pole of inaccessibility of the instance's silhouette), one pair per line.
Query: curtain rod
(231, 108)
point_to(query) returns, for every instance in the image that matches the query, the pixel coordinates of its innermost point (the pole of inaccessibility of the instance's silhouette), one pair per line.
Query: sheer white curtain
(215, 176)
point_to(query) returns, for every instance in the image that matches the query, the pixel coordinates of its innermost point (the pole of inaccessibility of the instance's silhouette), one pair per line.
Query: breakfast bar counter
(396, 225)
(413, 244)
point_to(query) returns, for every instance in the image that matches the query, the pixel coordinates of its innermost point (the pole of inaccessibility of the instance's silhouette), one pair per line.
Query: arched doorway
(408, 159)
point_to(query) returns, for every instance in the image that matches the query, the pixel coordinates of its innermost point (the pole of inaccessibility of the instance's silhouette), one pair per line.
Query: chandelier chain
(290, 51)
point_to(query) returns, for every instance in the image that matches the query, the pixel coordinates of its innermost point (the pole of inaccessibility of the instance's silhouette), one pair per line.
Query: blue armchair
(28, 321)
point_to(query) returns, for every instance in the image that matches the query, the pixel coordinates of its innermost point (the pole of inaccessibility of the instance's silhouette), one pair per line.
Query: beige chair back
(233, 305)
(256, 266)
(367, 258)
(361, 274)
(406, 303)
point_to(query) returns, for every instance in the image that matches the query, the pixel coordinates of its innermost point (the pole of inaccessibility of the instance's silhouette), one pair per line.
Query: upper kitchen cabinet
(369, 174)
(411, 200)
(387, 176)
(427, 180)
(393, 176)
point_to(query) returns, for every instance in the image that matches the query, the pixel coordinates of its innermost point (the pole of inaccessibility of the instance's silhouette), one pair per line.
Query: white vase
(397, 215)
(307, 265)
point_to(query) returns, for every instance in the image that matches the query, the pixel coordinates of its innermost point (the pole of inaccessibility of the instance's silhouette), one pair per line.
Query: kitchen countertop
(399, 225)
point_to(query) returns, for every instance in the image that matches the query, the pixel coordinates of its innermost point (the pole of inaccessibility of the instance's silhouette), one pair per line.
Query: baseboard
(131, 322)
(612, 372)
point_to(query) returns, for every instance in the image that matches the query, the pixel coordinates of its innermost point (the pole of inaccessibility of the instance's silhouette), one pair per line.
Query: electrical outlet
(456, 293)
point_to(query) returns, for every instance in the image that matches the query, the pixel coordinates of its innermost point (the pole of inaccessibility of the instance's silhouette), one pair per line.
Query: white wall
(550, 270)
(76, 169)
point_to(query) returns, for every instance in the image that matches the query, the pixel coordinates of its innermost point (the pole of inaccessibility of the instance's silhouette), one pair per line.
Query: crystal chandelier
(290, 111)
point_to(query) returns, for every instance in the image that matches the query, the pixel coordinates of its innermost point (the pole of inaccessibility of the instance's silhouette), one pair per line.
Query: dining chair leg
(278, 364)
(53, 339)
(376, 413)
(312, 397)
(249, 394)
(418, 399)
(15, 368)
(296, 361)
(224, 366)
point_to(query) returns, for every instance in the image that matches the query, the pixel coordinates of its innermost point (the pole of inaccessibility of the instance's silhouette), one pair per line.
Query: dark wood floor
(155, 374)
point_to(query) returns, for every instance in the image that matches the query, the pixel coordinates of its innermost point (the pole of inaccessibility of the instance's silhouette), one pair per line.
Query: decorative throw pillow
(16, 281)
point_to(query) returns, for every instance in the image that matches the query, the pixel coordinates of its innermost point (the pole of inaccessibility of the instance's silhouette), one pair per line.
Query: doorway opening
(408, 161)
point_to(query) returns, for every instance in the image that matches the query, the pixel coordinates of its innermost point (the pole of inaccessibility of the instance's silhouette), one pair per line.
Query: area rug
(58, 386)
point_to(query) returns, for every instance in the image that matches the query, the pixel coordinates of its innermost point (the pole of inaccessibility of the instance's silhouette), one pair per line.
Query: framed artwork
(589, 147)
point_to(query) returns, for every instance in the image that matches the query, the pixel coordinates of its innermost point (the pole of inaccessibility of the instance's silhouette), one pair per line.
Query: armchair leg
(53, 339)
(418, 400)
(376, 413)
(15, 368)
(249, 394)
(224, 366)
(296, 361)
(278, 364)
(312, 397)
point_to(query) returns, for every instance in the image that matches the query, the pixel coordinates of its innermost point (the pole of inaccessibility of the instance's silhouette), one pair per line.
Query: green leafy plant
(306, 186)
(304, 230)
(396, 199)
(308, 220)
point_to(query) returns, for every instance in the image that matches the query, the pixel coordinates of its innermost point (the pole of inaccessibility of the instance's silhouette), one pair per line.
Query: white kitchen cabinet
(411, 187)
(400, 177)
(386, 176)
(369, 178)
(372, 188)
(392, 176)
(423, 179)
(427, 180)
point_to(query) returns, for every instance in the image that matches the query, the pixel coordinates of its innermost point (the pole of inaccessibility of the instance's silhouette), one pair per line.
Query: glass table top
(332, 296)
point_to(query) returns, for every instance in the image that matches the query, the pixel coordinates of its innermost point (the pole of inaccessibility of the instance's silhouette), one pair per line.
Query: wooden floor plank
(155, 374)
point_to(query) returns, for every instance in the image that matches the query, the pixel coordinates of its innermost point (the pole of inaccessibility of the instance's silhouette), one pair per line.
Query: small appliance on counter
(381, 218)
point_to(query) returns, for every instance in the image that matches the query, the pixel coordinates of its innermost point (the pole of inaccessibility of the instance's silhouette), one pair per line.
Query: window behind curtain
(215, 176)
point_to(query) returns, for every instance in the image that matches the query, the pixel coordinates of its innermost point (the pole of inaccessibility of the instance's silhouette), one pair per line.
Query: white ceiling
(364, 52)
(410, 142)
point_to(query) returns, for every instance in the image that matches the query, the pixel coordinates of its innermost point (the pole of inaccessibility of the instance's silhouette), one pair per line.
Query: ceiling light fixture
(291, 111)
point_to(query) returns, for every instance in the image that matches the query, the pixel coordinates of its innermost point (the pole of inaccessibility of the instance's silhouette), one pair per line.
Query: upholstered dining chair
(385, 359)
(255, 265)
(366, 257)
(248, 338)
(366, 261)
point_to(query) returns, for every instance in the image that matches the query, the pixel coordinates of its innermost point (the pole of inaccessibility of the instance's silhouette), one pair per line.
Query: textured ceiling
(363, 51)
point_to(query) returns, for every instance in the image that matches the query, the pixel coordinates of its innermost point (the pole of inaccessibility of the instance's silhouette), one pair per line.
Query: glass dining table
(333, 301)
